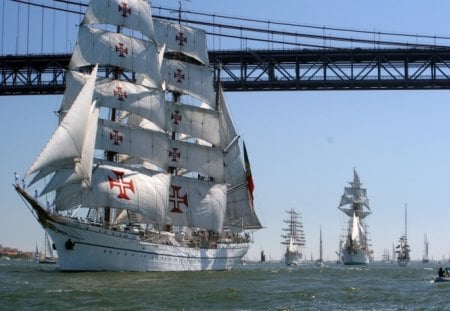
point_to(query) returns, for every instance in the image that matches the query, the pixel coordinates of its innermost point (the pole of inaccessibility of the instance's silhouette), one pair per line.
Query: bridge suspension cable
(270, 32)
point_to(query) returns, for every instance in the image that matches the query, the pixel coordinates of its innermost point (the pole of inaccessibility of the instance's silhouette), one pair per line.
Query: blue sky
(303, 146)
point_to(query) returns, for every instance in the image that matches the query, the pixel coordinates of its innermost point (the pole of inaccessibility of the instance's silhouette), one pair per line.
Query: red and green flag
(248, 173)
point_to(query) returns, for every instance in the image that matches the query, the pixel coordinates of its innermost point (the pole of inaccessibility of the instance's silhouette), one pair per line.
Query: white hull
(83, 247)
(402, 263)
(355, 258)
(87, 247)
(292, 259)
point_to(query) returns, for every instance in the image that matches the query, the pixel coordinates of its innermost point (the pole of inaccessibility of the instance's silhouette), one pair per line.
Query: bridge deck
(268, 70)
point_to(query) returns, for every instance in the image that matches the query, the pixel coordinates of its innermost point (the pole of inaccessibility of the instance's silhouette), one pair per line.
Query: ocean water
(268, 286)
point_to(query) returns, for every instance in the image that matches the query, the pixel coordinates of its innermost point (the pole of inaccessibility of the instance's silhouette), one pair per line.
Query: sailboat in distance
(46, 256)
(425, 258)
(293, 239)
(402, 248)
(319, 262)
(355, 250)
(145, 169)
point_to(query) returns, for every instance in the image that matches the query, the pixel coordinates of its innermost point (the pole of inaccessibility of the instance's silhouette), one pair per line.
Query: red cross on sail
(120, 93)
(121, 184)
(176, 199)
(181, 39)
(120, 47)
(174, 154)
(176, 117)
(179, 75)
(116, 137)
(124, 9)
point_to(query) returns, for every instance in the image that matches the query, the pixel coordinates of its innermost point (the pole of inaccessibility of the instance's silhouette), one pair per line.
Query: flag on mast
(248, 173)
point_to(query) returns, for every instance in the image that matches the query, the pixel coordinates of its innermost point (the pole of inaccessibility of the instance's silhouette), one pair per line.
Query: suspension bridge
(246, 54)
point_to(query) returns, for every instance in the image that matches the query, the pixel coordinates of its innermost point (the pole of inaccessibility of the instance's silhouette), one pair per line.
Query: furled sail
(133, 14)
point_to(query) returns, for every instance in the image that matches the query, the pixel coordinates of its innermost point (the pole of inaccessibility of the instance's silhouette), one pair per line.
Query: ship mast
(111, 155)
(406, 223)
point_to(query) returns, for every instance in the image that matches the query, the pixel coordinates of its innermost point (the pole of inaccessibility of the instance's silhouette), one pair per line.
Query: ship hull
(355, 258)
(90, 247)
(83, 247)
(292, 258)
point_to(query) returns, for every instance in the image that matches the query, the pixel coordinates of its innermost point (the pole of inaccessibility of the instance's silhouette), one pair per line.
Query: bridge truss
(268, 70)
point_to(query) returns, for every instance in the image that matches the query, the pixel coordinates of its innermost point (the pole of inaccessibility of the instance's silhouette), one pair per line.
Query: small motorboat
(442, 279)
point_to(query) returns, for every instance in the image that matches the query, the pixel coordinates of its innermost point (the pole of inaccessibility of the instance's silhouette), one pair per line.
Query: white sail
(188, 79)
(197, 158)
(294, 239)
(137, 142)
(240, 209)
(182, 39)
(145, 166)
(227, 129)
(133, 98)
(74, 83)
(122, 95)
(137, 190)
(356, 229)
(354, 195)
(133, 14)
(110, 48)
(197, 203)
(356, 249)
(160, 149)
(194, 121)
(81, 170)
(66, 144)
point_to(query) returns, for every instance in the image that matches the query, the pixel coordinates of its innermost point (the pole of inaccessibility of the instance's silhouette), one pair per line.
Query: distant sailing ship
(339, 252)
(263, 257)
(402, 248)
(356, 249)
(145, 169)
(294, 239)
(425, 258)
(386, 257)
(319, 262)
(46, 256)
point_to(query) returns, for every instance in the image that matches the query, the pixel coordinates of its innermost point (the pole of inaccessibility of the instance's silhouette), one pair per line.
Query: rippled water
(269, 286)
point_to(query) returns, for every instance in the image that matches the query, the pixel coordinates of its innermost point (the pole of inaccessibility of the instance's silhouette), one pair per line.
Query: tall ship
(355, 204)
(402, 249)
(339, 252)
(145, 170)
(294, 238)
(425, 258)
(319, 262)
